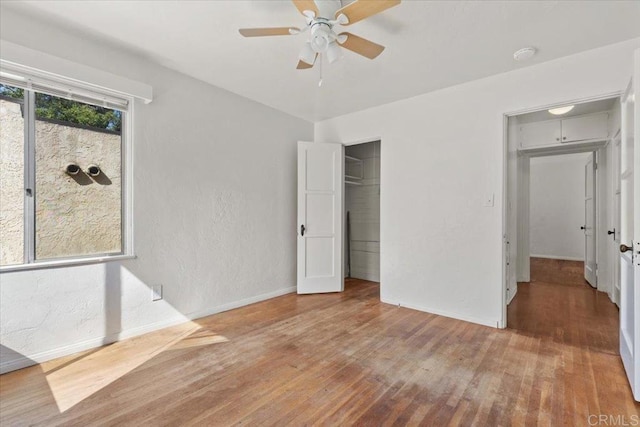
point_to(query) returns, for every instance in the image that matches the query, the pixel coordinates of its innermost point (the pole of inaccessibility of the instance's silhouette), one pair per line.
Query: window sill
(65, 263)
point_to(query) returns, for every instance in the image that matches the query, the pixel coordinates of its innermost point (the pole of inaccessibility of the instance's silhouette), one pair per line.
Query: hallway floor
(559, 304)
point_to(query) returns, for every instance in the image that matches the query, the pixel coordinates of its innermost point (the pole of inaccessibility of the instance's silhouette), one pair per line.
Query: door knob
(625, 248)
(582, 227)
(302, 230)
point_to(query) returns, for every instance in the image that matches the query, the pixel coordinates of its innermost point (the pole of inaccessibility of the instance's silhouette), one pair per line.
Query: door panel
(320, 200)
(319, 163)
(630, 232)
(589, 221)
(320, 219)
(319, 257)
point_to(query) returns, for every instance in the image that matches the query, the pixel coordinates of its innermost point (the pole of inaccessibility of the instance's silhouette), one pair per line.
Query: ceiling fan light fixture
(334, 52)
(561, 110)
(319, 44)
(320, 36)
(307, 54)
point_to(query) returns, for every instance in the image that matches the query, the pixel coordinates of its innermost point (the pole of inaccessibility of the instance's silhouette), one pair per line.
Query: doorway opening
(362, 212)
(560, 242)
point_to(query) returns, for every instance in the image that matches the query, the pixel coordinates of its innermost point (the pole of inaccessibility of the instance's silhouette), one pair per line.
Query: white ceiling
(430, 44)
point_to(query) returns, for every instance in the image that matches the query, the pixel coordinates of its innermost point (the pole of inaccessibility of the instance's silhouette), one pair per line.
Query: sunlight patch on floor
(198, 339)
(78, 378)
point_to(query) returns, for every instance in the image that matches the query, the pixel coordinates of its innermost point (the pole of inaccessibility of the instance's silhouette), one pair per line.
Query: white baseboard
(564, 258)
(457, 316)
(241, 303)
(41, 357)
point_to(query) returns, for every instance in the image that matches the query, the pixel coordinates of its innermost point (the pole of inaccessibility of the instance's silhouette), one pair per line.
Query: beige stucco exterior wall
(75, 215)
(11, 183)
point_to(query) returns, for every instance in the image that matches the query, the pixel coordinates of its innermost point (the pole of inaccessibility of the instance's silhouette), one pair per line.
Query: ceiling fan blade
(304, 66)
(362, 9)
(361, 46)
(303, 5)
(276, 31)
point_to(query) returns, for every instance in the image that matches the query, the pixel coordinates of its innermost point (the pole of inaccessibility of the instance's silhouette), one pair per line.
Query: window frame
(126, 196)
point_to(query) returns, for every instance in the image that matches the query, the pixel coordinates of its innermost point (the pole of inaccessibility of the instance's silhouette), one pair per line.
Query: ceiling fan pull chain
(320, 66)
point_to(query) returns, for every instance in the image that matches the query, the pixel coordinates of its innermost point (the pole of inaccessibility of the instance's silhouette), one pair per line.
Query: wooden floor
(343, 359)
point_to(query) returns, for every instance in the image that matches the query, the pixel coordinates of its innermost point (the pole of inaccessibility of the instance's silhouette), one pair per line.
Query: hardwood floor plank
(342, 359)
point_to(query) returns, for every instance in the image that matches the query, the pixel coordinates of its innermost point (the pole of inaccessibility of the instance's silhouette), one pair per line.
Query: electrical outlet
(156, 292)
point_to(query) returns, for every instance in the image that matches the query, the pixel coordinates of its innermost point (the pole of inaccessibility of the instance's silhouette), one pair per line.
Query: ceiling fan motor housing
(321, 35)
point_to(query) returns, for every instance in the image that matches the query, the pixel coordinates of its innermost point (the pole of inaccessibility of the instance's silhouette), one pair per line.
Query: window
(63, 183)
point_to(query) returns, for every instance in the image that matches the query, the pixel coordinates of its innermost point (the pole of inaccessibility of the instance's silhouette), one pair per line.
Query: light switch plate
(488, 200)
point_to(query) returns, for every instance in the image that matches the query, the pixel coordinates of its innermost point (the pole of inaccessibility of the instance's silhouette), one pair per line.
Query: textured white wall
(556, 206)
(215, 214)
(442, 156)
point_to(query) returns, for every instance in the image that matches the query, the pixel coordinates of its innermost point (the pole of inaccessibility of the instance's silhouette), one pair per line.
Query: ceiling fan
(323, 39)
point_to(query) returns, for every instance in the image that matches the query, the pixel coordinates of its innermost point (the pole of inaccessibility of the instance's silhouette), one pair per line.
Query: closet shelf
(353, 163)
(352, 183)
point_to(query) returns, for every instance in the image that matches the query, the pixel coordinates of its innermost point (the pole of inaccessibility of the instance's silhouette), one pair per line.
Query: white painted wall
(556, 206)
(442, 156)
(215, 192)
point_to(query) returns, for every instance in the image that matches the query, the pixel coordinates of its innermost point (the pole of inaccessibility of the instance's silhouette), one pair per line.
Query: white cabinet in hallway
(561, 131)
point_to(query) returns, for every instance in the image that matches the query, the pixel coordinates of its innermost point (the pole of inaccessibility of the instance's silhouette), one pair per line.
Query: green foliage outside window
(65, 110)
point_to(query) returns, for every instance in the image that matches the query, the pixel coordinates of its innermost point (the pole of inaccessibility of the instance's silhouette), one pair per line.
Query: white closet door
(320, 201)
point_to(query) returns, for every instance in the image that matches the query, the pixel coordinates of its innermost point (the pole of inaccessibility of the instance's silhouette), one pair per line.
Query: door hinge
(595, 166)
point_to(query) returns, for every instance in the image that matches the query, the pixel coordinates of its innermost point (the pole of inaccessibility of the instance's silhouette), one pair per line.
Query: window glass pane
(11, 175)
(78, 197)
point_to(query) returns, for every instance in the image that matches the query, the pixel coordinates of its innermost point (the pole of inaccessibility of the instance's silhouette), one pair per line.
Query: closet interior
(362, 211)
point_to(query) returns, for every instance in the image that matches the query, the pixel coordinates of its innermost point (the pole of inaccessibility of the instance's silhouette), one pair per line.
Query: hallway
(558, 303)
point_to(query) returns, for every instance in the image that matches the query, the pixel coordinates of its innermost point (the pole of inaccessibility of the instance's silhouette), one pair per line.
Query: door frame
(615, 189)
(508, 236)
